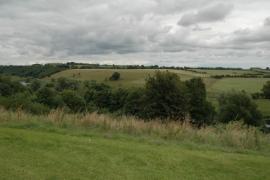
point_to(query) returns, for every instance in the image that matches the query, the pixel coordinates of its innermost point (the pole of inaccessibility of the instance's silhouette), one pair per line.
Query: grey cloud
(212, 13)
(267, 22)
(143, 31)
(259, 36)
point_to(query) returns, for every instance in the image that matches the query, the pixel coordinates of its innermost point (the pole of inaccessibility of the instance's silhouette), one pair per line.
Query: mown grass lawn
(29, 153)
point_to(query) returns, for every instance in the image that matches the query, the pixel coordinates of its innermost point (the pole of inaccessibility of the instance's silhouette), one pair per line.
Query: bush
(66, 84)
(5, 89)
(25, 102)
(257, 95)
(115, 76)
(236, 106)
(49, 97)
(35, 85)
(165, 97)
(98, 94)
(73, 101)
(118, 99)
(201, 112)
(9, 87)
(134, 103)
(266, 90)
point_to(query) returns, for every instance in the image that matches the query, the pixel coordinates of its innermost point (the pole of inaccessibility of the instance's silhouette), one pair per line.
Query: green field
(30, 153)
(136, 78)
(250, 85)
(129, 77)
(264, 106)
(225, 72)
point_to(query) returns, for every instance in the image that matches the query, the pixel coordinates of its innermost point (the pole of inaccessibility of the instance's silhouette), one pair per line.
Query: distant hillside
(35, 71)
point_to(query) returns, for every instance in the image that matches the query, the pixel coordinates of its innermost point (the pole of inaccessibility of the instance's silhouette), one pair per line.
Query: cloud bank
(164, 32)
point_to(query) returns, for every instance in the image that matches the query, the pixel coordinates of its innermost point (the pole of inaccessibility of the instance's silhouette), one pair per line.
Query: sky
(231, 33)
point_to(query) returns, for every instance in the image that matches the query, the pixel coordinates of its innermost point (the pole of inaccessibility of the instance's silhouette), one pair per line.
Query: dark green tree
(49, 97)
(35, 85)
(266, 90)
(66, 84)
(201, 111)
(98, 95)
(165, 97)
(134, 103)
(73, 101)
(235, 106)
(118, 99)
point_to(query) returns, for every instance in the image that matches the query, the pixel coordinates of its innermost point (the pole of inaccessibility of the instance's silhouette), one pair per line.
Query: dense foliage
(266, 90)
(201, 111)
(164, 97)
(235, 106)
(36, 71)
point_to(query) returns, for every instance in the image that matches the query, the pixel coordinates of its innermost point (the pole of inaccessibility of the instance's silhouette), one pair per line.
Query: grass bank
(233, 135)
(92, 146)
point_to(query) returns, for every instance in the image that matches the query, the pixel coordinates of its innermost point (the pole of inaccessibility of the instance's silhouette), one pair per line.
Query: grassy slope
(225, 72)
(250, 85)
(264, 106)
(28, 153)
(129, 77)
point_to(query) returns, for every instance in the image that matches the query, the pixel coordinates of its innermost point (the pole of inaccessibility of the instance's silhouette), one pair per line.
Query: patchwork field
(136, 77)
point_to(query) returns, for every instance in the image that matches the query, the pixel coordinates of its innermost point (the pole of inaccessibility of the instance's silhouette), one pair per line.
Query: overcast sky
(232, 33)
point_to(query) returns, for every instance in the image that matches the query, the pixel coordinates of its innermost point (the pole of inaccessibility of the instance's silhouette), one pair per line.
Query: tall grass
(230, 135)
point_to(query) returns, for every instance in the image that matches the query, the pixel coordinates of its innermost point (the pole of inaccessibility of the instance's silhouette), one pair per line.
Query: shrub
(25, 102)
(98, 94)
(235, 106)
(64, 84)
(73, 101)
(118, 99)
(134, 103)
(5, 89)
(9, 87)
(35, 85)
(115, 76)
(266, 90)
(49, 97)
(257, 95)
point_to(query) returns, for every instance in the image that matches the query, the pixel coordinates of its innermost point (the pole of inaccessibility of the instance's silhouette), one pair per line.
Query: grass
(93, 146)
(250, 85)
(225, 72)
(28, 154)
(264, 106)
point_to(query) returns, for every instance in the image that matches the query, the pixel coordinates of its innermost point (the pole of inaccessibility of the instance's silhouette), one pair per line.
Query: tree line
(164, 97)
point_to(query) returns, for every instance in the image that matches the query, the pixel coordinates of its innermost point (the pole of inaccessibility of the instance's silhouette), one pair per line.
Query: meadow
(136, 78)
(92, 146)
